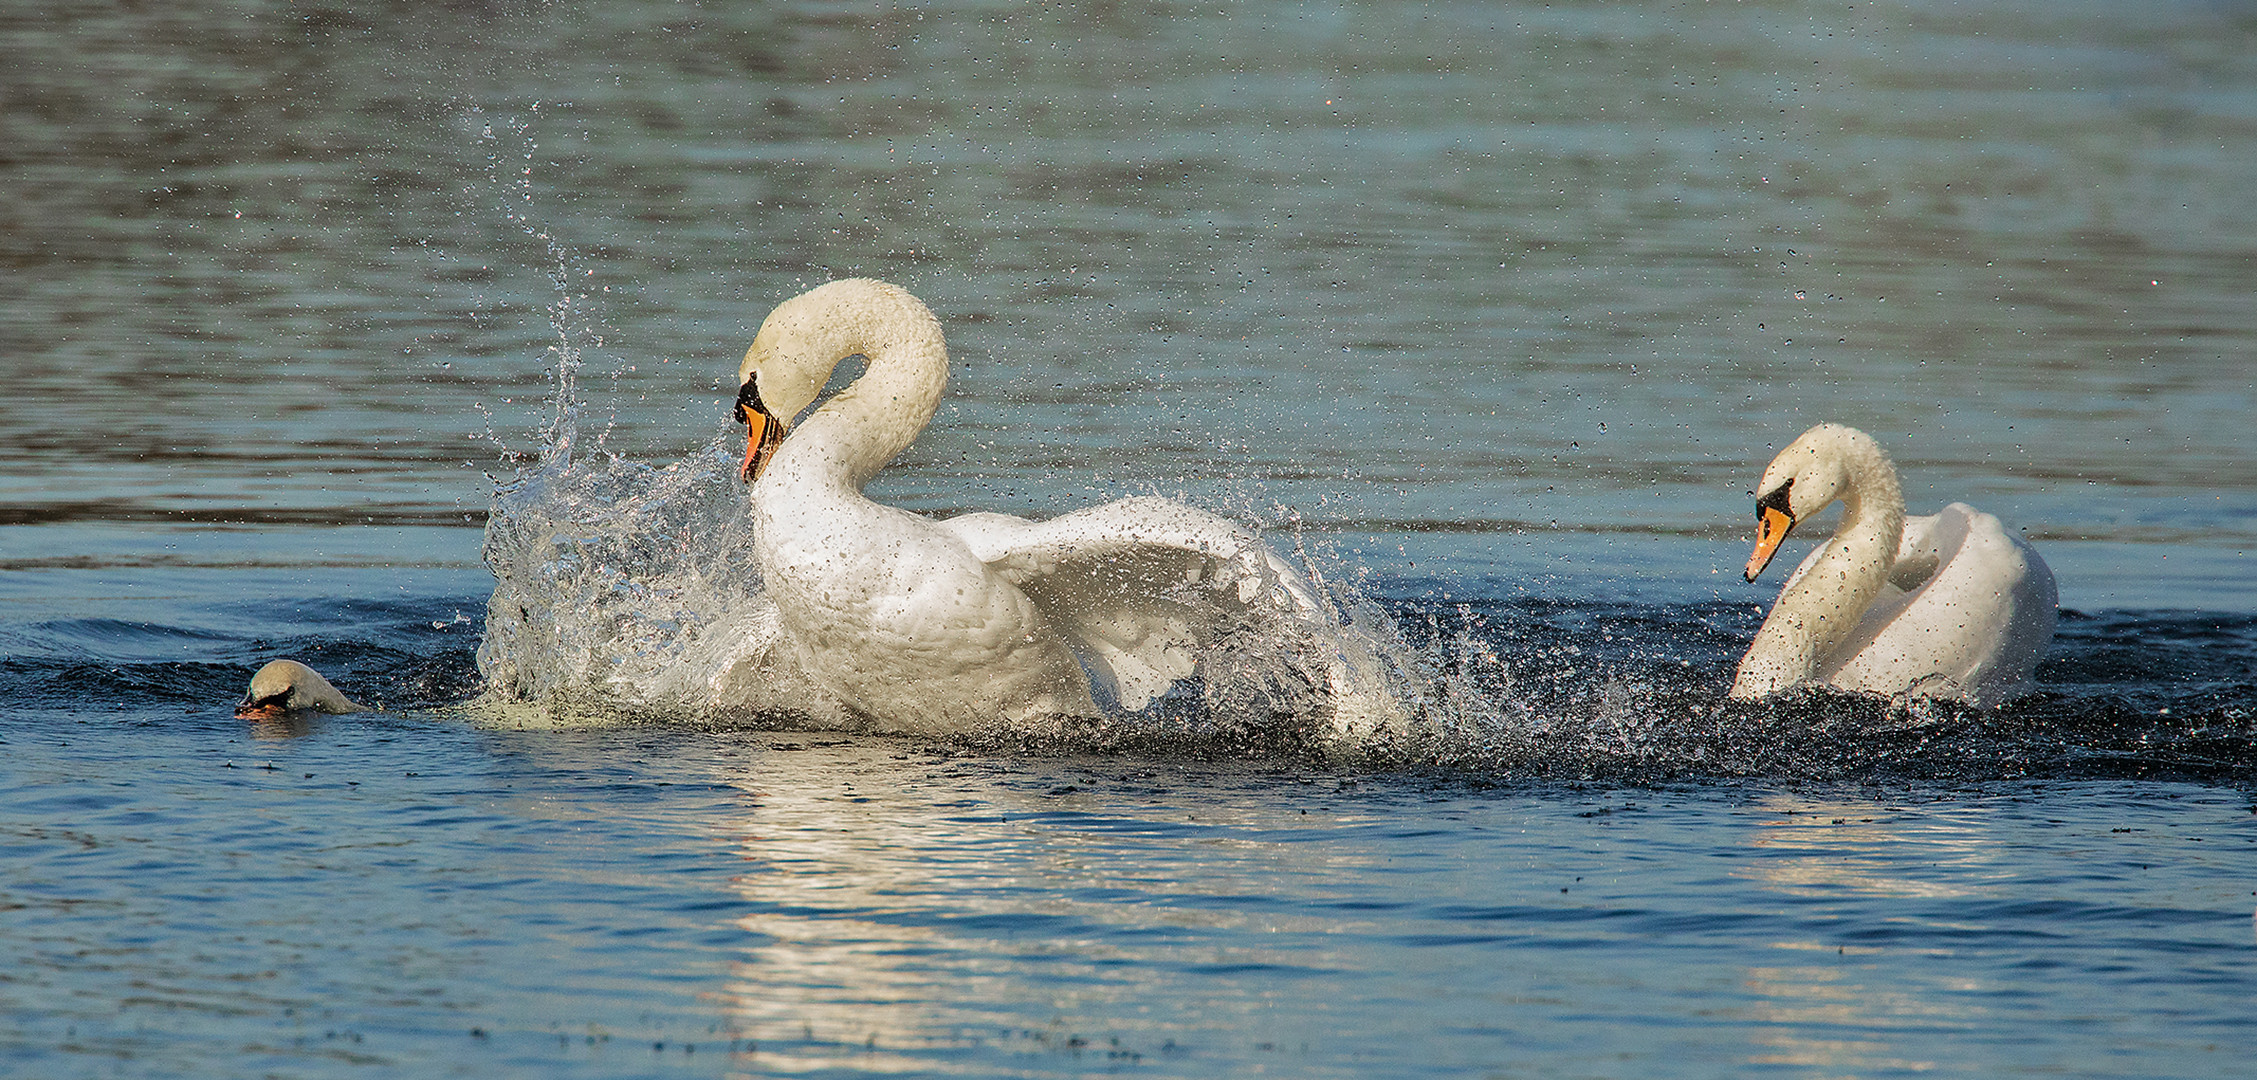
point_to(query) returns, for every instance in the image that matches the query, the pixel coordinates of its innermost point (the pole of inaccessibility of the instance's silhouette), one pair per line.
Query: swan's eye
(1776, 499)
(748, 401)
(763, 431)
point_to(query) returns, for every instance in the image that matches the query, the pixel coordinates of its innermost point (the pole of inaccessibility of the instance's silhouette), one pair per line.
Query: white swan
(915, 624)
(1948, 606)
(287, 686)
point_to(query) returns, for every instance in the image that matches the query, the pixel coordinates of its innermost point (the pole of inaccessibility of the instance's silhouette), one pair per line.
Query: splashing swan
(1949, 605)
(916, 624)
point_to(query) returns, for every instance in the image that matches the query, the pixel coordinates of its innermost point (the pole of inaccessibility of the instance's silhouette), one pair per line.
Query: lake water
(1489, 313)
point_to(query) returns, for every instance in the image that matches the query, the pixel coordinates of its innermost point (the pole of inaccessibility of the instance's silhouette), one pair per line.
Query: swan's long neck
(861, 428)
(1821, 606)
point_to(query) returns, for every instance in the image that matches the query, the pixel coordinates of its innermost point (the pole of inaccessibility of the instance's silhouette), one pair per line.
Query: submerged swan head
(287, 686)
(1807, 477)
(803, 341)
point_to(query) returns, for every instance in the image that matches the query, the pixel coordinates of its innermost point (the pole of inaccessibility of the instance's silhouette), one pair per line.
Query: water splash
(630, 588)
(626, 592)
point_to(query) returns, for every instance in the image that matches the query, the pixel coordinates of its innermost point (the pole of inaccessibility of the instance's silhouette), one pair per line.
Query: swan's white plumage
(287, 686)
(1948, 605)
(1140, 587)
(905, 622)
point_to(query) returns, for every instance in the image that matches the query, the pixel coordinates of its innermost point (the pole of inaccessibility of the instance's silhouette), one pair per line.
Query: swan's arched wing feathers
(1969, 604)
(1141, 586)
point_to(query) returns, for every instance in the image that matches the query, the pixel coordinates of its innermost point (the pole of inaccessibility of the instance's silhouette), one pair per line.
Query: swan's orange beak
(763, 431)
(1772, 524)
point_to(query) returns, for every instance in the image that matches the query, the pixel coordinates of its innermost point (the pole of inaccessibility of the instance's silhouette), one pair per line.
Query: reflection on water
(927, 914)
(287, 726)
(1817, 852)
(423, 894)
(916, 909)
(941, 915)
(1942, 898)
(1818, 849)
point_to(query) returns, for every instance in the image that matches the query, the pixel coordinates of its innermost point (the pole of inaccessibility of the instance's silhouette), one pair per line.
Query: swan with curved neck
(1948, 605)
(916, 624)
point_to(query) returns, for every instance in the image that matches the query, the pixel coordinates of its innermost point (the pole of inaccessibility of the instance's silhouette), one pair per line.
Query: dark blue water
(2063, 888)
(1490, 313)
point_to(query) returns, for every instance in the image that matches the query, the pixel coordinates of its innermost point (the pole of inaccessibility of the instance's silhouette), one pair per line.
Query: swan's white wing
(1140, 584)
(1147, 587)
(1968, 611)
